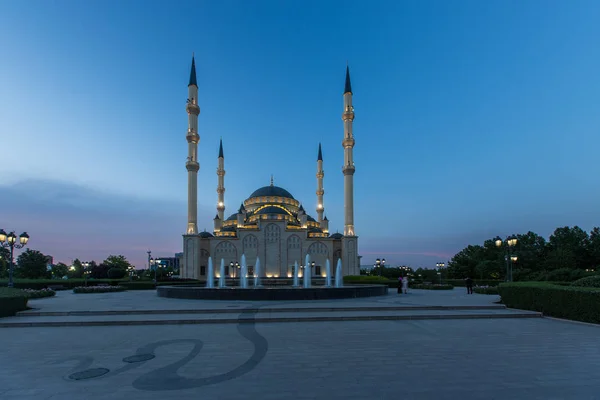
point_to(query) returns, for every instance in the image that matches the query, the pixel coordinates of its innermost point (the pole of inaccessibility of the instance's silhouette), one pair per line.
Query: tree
(98, 271)
(465, 262)
(77, 271)
(568, 246)
(531, 251)
(32, 264)
(490, 269)
(4, 262)
(117, 262)
(59, 270)
(594, 249)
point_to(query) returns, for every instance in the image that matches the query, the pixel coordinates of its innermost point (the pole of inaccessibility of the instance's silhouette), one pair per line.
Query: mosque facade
(271, 224)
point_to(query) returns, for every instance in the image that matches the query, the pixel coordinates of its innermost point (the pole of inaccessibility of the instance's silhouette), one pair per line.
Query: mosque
(271, 223)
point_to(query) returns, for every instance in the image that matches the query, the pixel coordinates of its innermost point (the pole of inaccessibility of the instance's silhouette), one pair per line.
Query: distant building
(167, 262)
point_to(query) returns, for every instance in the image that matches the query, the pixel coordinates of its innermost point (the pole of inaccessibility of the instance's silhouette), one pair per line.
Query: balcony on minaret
(192, 165)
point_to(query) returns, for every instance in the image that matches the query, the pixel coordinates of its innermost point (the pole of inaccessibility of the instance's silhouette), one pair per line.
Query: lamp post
(440, 265)
(85, 265)
(130, 269)
(508, 244)
(380, 264)
(10, 241)
(237, 268)
(150, 259)
(156, 264)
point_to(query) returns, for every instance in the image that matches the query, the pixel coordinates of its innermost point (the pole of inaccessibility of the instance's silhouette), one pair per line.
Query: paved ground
(449, 359)
(148, 300)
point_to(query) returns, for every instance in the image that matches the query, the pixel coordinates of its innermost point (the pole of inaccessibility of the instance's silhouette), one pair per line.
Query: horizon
(472, 120)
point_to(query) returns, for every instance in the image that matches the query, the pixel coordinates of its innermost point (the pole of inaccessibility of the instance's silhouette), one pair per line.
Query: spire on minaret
(348, 86)
(221, 149)
(193, 73)
(271, 179)
(320, 156)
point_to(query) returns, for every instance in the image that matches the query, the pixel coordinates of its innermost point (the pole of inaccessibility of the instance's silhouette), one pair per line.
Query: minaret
(193, 138)
(348, 168)
(320, 191)
(221, 185)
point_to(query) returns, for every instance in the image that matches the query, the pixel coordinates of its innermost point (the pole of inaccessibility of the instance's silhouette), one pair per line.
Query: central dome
(274, 191)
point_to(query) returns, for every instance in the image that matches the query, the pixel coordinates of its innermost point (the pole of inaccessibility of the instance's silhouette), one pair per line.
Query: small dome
(271, 210)
(336, 236)
(309, 218)
(232, 217)
(274, 191)
(315, 230)
(228, 229)
(206, 235)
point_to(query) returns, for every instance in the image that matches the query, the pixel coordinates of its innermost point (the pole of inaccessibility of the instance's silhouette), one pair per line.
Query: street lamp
(10, 241)
(130, 269)
(440, 265)
(509, 243)
(155, 264)
(86, 270)
(380, 264)
(150, 262)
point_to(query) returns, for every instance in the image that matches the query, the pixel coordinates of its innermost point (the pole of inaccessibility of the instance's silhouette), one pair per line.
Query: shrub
(427, 286)
(98, 289)
(116, 273)
(12, 301)
(37, 294)
(565, 274)
(570, 302)
(365, 279)
(481, 282)
(590, 281)
(486, 289)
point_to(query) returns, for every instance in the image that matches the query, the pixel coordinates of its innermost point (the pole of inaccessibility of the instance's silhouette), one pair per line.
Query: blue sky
(473, 119)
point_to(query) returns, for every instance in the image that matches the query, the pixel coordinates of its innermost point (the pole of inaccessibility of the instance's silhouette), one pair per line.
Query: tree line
(570, 253)
(33, 264)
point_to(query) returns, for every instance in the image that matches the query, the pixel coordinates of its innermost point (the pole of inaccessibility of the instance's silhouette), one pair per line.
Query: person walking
(469, 283)
(399, 285)
(405, 285)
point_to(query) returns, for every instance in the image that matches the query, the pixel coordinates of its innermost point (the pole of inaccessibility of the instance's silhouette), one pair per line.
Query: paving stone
(430, 359)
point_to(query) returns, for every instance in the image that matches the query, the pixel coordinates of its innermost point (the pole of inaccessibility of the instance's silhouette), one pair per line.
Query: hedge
(569, 302)
(432, 287)
(38, 284)
(12, 301)
(38, 294)
(98, 289)
(590, 281)
(486, 289)
(476, 282)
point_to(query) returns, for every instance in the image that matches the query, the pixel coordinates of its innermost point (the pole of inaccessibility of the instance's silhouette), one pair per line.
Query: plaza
(439, 345)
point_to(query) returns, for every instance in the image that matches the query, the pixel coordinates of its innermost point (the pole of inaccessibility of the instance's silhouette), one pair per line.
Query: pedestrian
(405, 285)
(469, 283)
(399, 285)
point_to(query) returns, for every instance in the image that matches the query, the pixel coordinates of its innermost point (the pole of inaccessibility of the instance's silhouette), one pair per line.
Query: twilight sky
(473, 118)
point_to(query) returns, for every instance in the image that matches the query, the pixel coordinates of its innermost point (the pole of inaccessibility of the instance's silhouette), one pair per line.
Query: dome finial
(271, 179)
